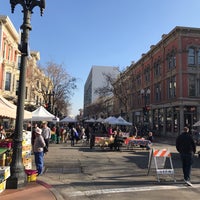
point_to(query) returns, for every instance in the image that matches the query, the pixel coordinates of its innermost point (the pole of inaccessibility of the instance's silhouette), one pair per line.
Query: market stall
(8, 112)
(137, 142)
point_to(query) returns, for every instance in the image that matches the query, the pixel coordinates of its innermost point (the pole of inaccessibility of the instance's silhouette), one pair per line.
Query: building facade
(96, 79)
(164, 85)
(10, 57)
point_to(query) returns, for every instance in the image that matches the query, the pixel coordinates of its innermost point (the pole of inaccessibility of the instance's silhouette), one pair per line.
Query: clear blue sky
(83, 33)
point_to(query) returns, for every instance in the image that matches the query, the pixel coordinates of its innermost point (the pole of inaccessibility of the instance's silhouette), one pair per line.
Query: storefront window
(161, 119)
(176, 119)
(190, 115)
(169, 120)
(158, 120)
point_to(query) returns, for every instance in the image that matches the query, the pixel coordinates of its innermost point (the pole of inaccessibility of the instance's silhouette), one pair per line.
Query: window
(198, 57)
(171, 87)
(8, 81)
(191, 56)
(169, 120)
(147, 74)
(17, 87)
(9, 53)
(19, 62)
(171, 60)
(157, 69)
(4, 49)
(194, 85)
(13, 82)
(138, 80)
(158, 92)
(38, 84)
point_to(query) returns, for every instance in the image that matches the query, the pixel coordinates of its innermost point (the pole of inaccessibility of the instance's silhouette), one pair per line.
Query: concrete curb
(44, 183)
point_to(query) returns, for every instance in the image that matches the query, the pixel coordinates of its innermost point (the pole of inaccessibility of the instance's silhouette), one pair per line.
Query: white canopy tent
(110, 119)
(91, 120)
(120, 121)
(7, 109)
(69, 120)
(41, 114)
(100, 120)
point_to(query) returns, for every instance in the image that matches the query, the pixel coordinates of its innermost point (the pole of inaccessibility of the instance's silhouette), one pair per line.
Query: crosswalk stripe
(131, 189)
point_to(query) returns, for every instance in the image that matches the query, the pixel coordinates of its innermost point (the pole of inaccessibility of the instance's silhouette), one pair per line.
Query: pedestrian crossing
(131, 189)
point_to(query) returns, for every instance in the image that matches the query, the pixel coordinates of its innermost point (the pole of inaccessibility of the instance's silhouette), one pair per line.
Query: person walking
(72, 135)
(35, 126)
(38, 149)
(185, 145)
(46, 133)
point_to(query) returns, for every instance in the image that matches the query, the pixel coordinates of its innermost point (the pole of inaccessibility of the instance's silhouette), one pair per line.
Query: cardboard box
(27, 135)
(26, 142)
(2, 186)
(26, 148)
(27, 160)
(4, 172)
(28, 165)
(26, 154)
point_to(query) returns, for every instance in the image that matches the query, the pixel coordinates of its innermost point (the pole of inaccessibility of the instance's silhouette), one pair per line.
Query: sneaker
(188, 183)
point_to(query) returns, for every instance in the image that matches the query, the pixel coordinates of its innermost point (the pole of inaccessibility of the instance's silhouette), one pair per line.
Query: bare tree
(61, 86)
(96, 109)
(118, 87)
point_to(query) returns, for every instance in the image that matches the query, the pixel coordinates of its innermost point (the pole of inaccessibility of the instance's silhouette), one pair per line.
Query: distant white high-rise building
(96, 79)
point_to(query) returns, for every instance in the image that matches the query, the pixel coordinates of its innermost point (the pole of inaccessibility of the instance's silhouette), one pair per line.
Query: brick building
(164, 85)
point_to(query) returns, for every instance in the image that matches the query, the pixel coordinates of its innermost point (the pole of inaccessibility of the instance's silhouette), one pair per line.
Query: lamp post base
(15, 183)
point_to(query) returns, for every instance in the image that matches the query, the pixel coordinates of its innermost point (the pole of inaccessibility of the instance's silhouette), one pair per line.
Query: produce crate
(2, 186)
(4, 172)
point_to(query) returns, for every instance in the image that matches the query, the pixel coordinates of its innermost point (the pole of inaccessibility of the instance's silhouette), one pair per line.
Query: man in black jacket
(185, 145)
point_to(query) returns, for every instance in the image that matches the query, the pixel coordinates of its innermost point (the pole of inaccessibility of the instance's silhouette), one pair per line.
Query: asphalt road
(82, 173)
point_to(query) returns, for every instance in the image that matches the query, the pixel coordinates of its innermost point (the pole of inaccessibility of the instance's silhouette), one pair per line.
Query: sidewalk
(32, 191)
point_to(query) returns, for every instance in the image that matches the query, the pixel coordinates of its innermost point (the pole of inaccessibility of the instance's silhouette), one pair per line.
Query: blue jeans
(39, 161)
(187, 160)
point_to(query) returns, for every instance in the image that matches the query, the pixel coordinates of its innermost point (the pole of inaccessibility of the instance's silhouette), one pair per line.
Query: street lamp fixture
(18, 177)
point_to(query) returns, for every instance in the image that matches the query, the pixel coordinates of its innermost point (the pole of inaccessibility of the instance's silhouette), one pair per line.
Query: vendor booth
(8, 114)
(41, 114)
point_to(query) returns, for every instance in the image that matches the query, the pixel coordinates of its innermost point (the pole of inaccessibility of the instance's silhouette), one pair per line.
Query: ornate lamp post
(18, 176)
